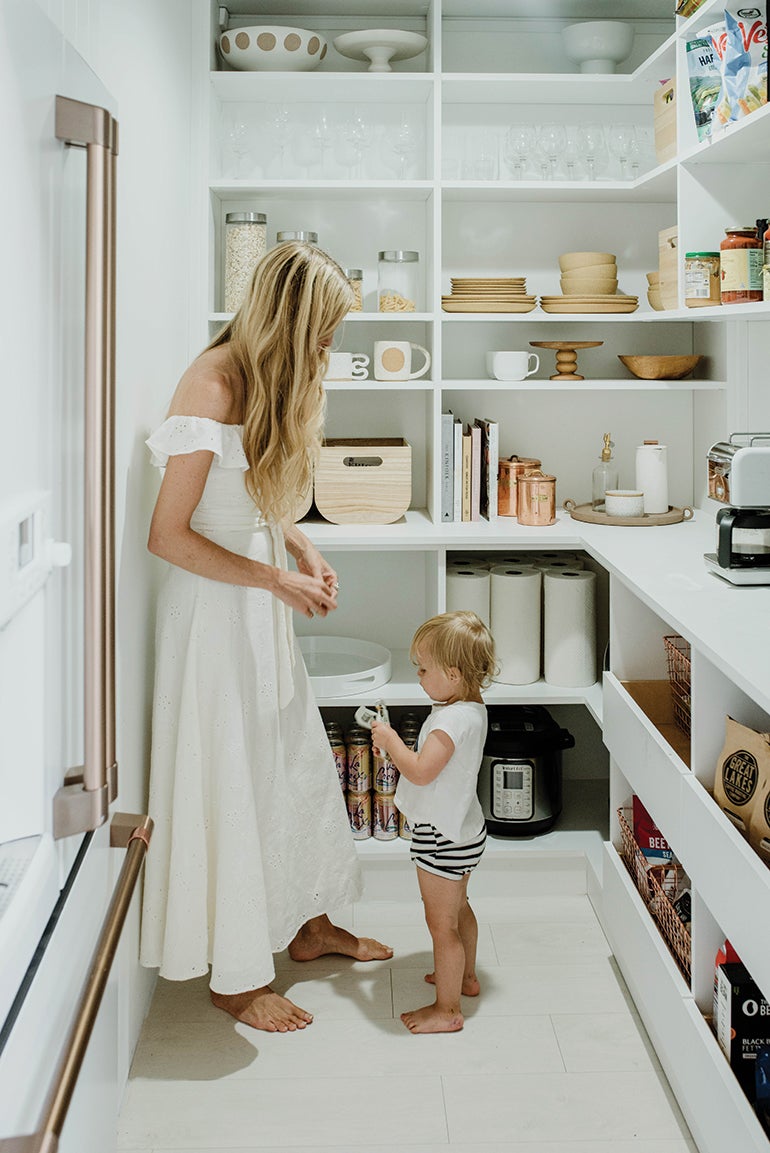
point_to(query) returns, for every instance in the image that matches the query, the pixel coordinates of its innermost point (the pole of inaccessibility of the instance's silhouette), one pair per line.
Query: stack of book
(469, 459)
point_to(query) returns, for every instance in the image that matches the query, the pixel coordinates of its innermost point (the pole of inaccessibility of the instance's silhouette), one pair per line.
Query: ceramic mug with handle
(347, 366)
(512, 365)
(393, 360)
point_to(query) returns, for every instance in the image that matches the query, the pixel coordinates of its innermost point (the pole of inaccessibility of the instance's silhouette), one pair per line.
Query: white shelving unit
(490, 63)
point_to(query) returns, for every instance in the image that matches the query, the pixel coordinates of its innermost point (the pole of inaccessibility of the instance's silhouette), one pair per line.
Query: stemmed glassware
(571, 154)
(324, 133)
(306, 149)
(518, 146)
(278, 130)
(238, 137)
(551, 141)
(357, 134)
(621, 139)
(404, 140)
(593, 148)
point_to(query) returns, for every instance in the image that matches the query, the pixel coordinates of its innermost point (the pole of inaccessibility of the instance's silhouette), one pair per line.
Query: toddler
(455, 659)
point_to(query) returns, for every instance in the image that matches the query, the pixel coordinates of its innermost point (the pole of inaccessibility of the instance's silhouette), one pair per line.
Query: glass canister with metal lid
(356, 281)
(302, 235)
(245, 245)
(536, 498)
(398, 271)
(508, 472)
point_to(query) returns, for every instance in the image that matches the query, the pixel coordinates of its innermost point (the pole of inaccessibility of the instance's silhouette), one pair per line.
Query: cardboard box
(668, 266)
(664, 110)
(741, 1022)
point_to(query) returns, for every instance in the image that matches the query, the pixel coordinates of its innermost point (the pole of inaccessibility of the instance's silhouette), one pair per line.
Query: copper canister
(507, 475)
(536, 500)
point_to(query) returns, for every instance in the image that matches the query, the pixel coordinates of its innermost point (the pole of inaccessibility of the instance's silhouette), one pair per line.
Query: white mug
(347, 366)
(623, 502)
(512, 365)
(393, 360)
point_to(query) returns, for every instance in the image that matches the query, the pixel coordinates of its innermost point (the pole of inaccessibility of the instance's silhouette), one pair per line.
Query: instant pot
(520, 778)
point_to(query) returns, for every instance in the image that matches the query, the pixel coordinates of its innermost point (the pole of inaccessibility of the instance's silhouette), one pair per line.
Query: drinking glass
(485, 148)
(621, 140)
(572, 154)
(551, 141)
(404, 140)
(278, 133)
(324, 133)
(306, 149)
(593, 147)
(239, 143)
(518, 147)
(358, 136)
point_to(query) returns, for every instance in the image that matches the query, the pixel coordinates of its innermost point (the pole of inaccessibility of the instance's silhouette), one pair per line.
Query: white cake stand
(380, 46)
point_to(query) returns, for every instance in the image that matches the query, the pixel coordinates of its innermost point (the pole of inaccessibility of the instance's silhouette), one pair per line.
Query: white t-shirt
(449, 802)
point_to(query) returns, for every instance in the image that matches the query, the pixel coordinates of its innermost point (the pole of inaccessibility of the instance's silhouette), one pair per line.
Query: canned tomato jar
(741, 261)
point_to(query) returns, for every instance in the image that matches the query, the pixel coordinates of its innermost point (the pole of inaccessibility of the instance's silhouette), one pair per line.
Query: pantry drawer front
(646, 760)
(714, 1106)
(708, 840)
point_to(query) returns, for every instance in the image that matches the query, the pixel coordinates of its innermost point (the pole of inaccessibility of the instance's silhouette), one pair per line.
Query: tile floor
(553, 1057)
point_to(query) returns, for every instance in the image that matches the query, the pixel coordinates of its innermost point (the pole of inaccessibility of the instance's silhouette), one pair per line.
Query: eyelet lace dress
(251, 830)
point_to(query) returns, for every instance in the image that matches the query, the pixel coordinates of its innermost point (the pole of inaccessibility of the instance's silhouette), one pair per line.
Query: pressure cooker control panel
(512, 790)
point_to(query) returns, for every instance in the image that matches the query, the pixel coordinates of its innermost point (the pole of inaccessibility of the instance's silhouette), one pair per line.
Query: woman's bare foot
(431, 1019)
(470, 988)
(319, 936)
(263, 1009)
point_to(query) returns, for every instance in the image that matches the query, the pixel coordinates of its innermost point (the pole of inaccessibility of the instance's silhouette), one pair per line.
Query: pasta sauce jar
(741, 266)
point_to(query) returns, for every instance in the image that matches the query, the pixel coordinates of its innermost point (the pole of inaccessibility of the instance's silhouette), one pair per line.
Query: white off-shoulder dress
(251, 830)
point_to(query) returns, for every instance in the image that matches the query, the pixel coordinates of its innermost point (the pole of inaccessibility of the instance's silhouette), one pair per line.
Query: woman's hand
(309, 560)
(309, 595)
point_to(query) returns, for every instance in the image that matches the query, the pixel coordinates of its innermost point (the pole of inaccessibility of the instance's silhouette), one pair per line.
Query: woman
(252, 846)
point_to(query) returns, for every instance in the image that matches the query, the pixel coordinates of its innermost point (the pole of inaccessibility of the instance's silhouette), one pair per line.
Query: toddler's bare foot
(263, 1009)
(319, 937)
(471, 986)
(431, 1019)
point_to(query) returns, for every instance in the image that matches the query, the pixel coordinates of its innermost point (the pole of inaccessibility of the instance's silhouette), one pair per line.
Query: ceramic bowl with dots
(272, 48)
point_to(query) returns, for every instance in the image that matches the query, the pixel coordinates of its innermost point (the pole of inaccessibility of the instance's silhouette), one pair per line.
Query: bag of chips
(742, 53)
(705, 78)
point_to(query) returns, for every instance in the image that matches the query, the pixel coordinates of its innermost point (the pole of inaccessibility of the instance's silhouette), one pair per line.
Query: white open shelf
(587, 385)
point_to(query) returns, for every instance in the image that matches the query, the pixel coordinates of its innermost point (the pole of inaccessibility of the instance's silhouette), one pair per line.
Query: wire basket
(678, 657)
(657, 887)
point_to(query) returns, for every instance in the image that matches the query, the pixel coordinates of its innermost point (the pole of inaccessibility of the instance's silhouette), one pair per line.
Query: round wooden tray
(587, 513)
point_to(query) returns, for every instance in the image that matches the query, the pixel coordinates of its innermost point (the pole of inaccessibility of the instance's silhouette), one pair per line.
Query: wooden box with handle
(364, 481)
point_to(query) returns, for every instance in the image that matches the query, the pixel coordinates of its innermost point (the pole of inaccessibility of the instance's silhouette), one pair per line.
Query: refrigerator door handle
(82, 803)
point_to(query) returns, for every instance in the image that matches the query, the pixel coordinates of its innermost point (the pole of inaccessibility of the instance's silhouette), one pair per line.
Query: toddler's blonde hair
(458, 640)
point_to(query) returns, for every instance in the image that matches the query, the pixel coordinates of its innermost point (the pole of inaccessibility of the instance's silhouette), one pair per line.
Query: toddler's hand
(381, 732)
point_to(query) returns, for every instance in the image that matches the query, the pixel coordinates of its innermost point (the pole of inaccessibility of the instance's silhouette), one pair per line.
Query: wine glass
(518, 147)
(324, 133)
(551, 141)
(404, 141)
(278, 131)
(593, 147)
(572, 154)
(306, 149)
(621, 141)
(238, 137)
(357, 134)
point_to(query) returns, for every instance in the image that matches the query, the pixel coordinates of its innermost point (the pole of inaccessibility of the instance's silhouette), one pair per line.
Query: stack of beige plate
(589, 283)
(489, 294)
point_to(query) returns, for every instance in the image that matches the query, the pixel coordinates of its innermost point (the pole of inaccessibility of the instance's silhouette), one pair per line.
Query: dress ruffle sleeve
(182, 434)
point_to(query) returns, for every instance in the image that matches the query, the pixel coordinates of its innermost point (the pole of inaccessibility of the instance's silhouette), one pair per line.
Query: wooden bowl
(571, 261)
(660, 367)
(652, 278)
(655, 298)
(588, 285)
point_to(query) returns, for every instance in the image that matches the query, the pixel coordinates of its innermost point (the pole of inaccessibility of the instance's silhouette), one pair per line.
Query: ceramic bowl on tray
(660, 367)
(272, 48)
(598, 45)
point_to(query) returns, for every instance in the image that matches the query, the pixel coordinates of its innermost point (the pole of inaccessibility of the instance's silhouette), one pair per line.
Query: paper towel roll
(468, 589)
(464, 561)
(515, 622)
(652, 476)
(569, 627)
(570, 563)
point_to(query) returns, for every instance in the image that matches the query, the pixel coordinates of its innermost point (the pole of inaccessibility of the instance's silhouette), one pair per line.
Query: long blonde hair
(297, 297)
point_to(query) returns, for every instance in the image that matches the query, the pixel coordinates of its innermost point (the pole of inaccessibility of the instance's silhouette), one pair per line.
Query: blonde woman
(252, 847)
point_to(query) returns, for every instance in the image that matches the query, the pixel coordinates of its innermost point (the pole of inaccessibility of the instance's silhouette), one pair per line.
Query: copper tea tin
(536, 498)
(507, 476)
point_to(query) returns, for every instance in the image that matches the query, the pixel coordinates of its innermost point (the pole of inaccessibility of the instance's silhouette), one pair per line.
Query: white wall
(142, 52)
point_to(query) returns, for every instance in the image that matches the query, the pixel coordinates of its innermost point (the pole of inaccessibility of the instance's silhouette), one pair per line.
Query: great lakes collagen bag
(742, 773)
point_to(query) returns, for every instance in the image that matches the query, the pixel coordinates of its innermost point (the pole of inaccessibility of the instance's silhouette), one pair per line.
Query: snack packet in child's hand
(742, 50)
(705, 78)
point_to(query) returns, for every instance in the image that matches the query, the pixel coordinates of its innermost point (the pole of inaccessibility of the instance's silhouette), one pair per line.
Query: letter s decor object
(83, 801)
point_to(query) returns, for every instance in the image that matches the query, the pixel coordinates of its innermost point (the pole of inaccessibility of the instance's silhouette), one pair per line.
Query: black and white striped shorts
(436, 854)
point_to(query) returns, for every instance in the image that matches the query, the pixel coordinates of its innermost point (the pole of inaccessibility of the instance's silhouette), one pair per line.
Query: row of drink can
(368, 778)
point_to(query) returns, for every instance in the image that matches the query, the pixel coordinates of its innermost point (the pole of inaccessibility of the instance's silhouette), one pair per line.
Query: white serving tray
(344, 666)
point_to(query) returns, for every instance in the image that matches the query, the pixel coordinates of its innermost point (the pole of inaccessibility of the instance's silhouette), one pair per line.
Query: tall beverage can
(339, 752)
(403, 827)
(385, 775)
(359, 748)
(384, 818)
(360, 814)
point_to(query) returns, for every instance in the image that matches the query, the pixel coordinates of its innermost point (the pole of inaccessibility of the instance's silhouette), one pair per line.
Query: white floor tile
(341, 995)
(178, 1051)
(514, 990)
(560, 1107)
(280, 1112)
(593, 1042)
(545, 942)
(521, 907)
(485, 1147)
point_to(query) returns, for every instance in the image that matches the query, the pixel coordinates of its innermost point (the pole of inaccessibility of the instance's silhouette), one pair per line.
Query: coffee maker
(739, 477)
